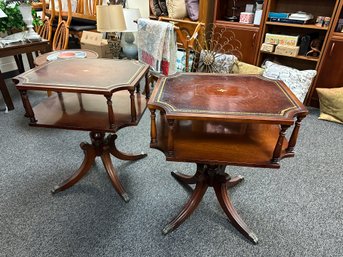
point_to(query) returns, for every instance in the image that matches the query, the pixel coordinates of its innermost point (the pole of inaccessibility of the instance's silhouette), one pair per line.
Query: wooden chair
(185, 40)
(45, 31)
(61, 35)
(84, 17)
(187, 35)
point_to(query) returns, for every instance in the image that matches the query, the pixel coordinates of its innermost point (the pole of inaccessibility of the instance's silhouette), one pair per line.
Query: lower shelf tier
(242, 144)
(88, 112)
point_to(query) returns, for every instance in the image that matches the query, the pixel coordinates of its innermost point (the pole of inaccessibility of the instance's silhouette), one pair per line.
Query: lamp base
(114, 44)
(130, 51)
(129, 48)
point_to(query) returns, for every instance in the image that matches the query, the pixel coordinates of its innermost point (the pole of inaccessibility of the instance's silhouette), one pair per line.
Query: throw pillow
(163, 6)
(331, 104)
(155, 8)
(181, 61)
(192, 7)
(298, 81)
(246, 68)
(213, 62)
(177, 9)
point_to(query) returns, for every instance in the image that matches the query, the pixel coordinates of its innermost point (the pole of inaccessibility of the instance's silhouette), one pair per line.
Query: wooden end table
(96, 95)
(215, 120)
(16, 49)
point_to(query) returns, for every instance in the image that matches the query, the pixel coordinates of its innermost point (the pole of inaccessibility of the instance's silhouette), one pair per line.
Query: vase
(26, 12)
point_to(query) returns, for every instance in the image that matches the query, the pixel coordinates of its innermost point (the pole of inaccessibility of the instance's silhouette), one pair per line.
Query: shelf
(87, 112)
(313, 59)
(230, 143)
(303, 26)
(337, 35)
(236, 24)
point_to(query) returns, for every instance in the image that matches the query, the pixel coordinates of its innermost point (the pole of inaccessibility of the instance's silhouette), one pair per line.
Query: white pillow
(210, 61)
(298, 81)
(177, 9)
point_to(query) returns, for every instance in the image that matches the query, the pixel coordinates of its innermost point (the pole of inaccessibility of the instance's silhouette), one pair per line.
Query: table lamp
(110, 19)
(131, 16)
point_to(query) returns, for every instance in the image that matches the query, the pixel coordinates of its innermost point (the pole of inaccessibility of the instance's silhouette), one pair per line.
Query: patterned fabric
(181, 61)
(214, 62)
(156, 42)
(298, 81)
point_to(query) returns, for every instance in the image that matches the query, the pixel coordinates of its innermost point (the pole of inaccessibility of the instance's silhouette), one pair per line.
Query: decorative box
(288, 40)
(246, 17)
(272, 38)
(287, 50)
(267, 47)
(277, 39)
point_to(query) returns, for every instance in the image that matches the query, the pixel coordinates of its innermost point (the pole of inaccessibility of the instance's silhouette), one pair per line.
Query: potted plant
(15, 11)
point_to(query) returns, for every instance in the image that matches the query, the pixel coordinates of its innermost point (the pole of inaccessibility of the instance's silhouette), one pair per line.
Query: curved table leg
(112, 173)
(226, 204)
(89, 158)
(189, 207)
(188, 179)
(120, 155)
(234, 181)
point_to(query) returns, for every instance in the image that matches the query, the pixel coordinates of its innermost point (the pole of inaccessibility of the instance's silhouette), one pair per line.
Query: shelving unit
(303, 26)
(301, 57)
(330, 70)
(205, 16)
(248, 34)
(324, 8)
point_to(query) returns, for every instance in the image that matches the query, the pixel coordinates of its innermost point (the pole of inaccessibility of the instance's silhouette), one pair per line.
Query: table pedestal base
(102, 147)
(210, 176)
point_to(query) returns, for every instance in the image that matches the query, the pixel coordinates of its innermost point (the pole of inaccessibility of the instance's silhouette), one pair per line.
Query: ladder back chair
(61, 36)
(84, 17)
(46, 30)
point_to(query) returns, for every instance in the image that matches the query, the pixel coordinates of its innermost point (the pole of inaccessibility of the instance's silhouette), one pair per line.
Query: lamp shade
(131, 16)
(110, 18)
(2, 14)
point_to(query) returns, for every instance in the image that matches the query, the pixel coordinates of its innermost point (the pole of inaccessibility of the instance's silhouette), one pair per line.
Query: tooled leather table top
(103, 75)
(220, 96)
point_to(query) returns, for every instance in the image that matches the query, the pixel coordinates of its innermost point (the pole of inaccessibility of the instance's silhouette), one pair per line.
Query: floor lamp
(131, 16)
(110, 19)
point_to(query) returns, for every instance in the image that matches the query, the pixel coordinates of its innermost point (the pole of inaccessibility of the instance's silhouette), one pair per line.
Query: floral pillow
(181, 61)
(210, 61)
(299, 81)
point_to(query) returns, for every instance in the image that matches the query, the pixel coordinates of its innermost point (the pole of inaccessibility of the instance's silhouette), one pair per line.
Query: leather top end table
(96, 95)
(215, 120)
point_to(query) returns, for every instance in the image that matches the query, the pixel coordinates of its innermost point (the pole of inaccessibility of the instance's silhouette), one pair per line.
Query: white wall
(143, 6)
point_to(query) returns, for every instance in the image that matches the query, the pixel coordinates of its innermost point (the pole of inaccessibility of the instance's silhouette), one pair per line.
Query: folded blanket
(156, 42)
